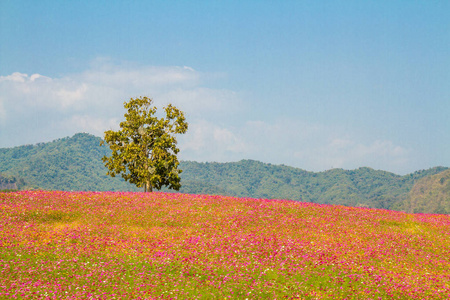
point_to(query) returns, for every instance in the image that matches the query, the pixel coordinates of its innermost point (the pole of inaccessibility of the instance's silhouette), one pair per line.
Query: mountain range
(74, 163)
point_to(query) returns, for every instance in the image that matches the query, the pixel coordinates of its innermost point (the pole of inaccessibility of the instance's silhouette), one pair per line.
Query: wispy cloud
(348, 153)
(200, 100)
(208, 141)
(93, 100)
(22, 92)
(2, 113)
(35, 108)
(312, 147)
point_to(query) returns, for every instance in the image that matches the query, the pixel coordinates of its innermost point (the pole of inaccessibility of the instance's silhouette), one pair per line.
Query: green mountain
(75, 164)
(64, 164)
(429, 195)
(363, 187)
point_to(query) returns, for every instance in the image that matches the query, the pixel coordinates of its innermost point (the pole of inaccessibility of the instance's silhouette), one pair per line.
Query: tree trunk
(148, 187)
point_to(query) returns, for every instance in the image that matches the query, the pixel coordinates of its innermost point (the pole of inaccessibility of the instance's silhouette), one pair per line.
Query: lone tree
(144, 150)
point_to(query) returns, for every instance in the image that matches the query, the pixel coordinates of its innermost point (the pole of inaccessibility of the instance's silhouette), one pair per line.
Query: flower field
(87, 245)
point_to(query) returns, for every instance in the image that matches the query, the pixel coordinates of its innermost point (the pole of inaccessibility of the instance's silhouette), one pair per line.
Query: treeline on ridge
(363, 187)
(75, 164)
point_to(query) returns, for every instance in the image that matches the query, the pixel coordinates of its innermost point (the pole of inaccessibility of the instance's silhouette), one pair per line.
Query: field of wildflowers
(87, 245)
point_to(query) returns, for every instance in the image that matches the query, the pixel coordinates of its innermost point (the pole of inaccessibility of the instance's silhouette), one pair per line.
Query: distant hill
(363, 187)
(65, 164)
(430, 195)
(74, 163)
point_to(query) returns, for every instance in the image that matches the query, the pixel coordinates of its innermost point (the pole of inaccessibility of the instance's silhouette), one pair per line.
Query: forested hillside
(247, 178)
(430, 195)
(10, 183)
(65, 164)
(75, 164)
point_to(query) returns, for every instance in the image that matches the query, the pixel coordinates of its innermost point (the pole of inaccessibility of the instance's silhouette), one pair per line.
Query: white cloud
(348, 153)
(207, 141)
(70, 96)
(380, 148)
(2, 112)
(36, 77)
(340, 143)
(109, 85)
(14, 77)
(91, 124)
(200, 100)
(141, 77)
(228, 141)
(91, 100)
(24, 92)
(309, 146)
(38, 108)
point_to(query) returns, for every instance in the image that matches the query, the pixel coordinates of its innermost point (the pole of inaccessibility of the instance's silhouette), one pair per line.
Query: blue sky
(311, 84)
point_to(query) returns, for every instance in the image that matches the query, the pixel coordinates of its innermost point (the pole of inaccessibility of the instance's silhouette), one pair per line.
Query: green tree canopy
(144, 150)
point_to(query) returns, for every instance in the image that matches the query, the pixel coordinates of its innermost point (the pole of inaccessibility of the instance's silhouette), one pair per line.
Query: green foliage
(144, 150)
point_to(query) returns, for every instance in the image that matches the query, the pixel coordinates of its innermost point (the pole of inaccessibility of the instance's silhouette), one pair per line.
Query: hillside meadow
(92, 245)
